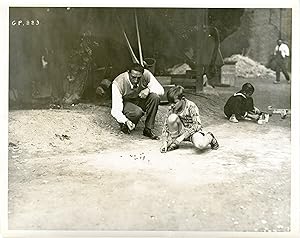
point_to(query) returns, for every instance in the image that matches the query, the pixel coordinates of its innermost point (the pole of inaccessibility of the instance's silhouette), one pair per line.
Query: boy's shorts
(176, 134)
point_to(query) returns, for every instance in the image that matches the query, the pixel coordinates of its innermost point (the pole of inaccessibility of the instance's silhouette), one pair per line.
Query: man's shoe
(147, 132)
(124, 128)
(233, 119)
(214, 143)
(289, 81)
(276, 82)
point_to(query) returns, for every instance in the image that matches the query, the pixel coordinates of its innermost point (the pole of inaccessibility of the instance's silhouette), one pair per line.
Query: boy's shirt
(239, 105)
(190, 118)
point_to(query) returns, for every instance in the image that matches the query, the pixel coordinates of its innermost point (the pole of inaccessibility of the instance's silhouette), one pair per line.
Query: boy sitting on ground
(184, 124)
(240, 106)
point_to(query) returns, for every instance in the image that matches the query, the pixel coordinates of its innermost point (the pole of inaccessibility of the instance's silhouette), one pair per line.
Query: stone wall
(258, 32)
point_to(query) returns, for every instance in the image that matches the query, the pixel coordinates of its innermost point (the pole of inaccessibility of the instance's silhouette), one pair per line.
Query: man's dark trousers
(135, 109)
(281, 65)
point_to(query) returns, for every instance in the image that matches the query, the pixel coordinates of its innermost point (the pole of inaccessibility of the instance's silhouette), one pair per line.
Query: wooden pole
(134, 58)
(199, 65)
(138, 39)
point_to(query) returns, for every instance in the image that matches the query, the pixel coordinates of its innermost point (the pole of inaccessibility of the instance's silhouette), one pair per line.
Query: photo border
(295, 165)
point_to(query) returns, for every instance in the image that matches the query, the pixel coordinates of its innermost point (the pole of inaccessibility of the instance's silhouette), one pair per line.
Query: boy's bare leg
(175, 127)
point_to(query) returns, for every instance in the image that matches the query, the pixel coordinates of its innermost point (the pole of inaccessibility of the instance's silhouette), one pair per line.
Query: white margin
(295, 86)
(295, 165)
(4, 49)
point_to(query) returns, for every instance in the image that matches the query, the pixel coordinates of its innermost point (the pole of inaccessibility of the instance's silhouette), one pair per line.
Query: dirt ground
(72, 169)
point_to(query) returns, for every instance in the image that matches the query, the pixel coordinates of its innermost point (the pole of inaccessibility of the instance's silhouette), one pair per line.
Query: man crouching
(134, 93)
(184, 124)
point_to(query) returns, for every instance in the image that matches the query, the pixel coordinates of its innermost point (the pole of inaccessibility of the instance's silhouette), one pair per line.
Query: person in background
(183, 123)
(281, 54)
(134, 93)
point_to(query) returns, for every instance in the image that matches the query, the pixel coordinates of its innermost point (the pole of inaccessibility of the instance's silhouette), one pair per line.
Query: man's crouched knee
(154, 97)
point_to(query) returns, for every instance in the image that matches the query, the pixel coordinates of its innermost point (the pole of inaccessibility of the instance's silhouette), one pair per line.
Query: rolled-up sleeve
(285, 51)
(117, 105)
(153, 85)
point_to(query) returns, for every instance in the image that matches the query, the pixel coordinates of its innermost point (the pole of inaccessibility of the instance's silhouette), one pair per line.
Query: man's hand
(130, 125)
(164, 147)
(144, 93)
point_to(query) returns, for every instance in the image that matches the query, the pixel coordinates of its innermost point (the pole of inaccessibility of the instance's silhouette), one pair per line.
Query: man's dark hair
(136, 67)
(176, 91)
(247, 88)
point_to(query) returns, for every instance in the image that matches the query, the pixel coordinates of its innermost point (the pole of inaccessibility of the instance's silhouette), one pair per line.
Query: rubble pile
(179, 69)
(248, 68)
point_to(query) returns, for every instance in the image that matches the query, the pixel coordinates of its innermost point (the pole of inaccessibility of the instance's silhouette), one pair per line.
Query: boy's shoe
(276, 82)
(263, 120)
(214, 143)
(173, 146)
(233, 119)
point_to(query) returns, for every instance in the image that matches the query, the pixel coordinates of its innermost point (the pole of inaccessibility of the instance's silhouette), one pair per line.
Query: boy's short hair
(136, 67)
(176, 91)
(247, 88)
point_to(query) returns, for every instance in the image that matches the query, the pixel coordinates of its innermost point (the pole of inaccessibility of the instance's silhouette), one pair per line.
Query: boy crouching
(184, 124)
(240, 106)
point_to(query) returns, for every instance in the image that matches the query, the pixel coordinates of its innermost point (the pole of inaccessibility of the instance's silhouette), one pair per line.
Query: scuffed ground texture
(72, 169)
